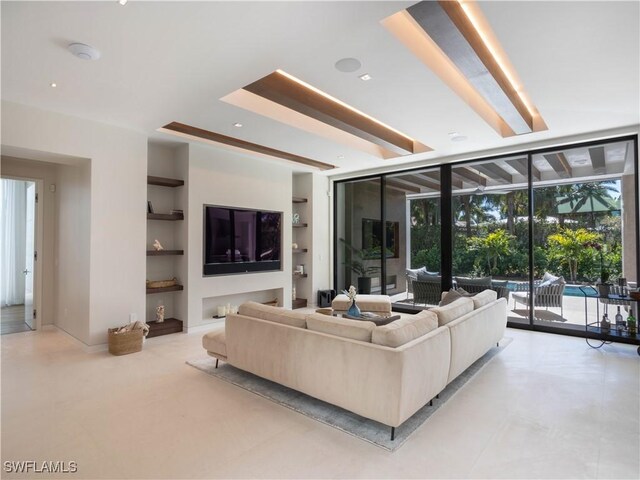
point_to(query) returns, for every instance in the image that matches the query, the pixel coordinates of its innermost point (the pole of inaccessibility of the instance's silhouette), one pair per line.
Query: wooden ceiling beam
(285, 91)
(560, 164)
(598, 161)
(199, 133)
(420, 181)
(494, 172)
(468, 175)
(520, 165)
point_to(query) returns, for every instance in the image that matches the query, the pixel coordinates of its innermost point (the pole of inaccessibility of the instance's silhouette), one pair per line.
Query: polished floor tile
(546, 407)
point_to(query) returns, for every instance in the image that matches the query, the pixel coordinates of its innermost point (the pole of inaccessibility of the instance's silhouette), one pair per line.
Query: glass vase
(353, 311)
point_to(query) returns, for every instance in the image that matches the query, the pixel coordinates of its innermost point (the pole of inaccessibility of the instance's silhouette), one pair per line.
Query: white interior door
(30, 242)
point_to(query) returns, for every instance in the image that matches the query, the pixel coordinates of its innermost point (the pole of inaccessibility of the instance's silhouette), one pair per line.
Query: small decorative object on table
(157, 245)
(160, 314)
(353, 311)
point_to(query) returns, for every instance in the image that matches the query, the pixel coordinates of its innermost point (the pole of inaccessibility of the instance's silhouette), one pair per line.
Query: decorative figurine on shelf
(157, 245)
(294, 246)
(160, 314)
(296, 218)
(353, 311)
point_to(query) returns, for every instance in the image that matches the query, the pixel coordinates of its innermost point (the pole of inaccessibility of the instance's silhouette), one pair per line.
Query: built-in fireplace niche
(210, 305)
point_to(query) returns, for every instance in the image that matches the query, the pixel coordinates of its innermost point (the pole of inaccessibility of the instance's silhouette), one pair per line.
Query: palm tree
(590, 194)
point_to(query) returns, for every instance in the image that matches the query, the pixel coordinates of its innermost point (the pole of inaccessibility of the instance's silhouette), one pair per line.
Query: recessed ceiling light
(123, 2)
(348, 65)
(456, 137)
(237, 124)
(365, 77)
(83, 51)
(53, 85)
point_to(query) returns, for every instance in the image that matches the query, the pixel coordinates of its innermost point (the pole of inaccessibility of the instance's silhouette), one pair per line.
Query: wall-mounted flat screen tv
(238, 240)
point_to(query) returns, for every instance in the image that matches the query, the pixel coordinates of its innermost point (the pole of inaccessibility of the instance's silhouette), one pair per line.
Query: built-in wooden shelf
(164, 182)
(299, 303)
(300, 275)
(300, 225)
(300, 250)
(162, 253)
(165, 216)
(170, 325)
(174, 288)
(299, 200)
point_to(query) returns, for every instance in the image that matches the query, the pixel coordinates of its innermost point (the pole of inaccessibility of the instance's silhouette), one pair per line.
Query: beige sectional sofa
(384, 373)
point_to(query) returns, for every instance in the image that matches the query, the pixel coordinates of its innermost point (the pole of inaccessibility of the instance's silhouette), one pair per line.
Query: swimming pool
(569, 290)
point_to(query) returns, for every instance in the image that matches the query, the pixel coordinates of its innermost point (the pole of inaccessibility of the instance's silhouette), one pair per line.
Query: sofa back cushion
(483, 298)
(273, 314)
(341, 327)
(456, 309)
(404, 330)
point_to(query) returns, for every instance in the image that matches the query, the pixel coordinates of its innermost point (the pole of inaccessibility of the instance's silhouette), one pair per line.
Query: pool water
(569, 290)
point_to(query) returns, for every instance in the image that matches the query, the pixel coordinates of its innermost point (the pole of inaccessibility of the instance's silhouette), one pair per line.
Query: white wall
(221, 177)
(117, 232)
(18, 167)
(73, 249)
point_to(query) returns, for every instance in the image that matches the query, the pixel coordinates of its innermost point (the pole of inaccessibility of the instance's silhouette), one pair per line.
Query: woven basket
(162, 283)
(125, 342)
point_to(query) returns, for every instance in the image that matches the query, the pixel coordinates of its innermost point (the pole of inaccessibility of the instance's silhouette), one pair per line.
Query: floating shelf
(165, 216)
(170, 325)
(299, 200)
(164, 182)
(299, 303)
(175, 288)
(300, 225)
(162, 253)
(300, 250)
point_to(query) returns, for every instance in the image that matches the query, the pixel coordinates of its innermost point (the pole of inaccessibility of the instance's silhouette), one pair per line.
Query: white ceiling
(173, 61)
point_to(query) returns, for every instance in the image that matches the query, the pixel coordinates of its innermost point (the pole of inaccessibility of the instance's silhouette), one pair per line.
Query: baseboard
(103, 347)
(206, 326)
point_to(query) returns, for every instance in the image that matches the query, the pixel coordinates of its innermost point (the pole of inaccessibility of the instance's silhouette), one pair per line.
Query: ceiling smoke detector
(348, 65)
(84, 52)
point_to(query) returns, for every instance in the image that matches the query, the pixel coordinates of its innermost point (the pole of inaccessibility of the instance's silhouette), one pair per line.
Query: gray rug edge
(403, 432)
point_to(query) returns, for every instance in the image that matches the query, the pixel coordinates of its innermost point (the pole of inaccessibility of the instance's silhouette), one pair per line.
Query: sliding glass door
(490, 207)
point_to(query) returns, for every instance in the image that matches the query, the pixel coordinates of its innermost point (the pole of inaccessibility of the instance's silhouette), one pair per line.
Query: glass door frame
(447, 224)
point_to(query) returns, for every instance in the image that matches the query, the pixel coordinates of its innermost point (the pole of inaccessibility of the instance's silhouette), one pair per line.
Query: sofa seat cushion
(405, 330)
(483, 298)
(341, 327)
(215, 343)
(456, 309)
(273, 314)
(366, 303)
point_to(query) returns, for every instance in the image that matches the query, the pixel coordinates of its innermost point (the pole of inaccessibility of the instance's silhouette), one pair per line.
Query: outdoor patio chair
(477, 285)
(545, 295)
(412, 274)
(427, 291)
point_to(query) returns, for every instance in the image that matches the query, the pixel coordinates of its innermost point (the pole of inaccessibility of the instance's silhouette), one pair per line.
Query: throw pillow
(341, 327)
(483, 298)
(452, 295)
(405, 330)
(456, 309)
(428, 277)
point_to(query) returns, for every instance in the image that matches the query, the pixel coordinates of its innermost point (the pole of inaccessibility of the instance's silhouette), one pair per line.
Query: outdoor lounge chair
(546, 294)
(427, 290)
(477, 285)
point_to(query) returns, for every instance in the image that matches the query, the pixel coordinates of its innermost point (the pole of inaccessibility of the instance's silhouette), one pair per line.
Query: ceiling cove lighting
(287, 99)
(455, 41)
(206, 136)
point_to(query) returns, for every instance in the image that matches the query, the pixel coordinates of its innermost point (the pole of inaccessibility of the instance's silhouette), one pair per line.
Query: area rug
(360, 427)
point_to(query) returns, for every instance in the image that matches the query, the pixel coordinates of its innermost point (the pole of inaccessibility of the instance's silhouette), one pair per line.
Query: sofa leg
(431, 402)
(437, 395)
(217, 363)
(393, 433)
(497, 344)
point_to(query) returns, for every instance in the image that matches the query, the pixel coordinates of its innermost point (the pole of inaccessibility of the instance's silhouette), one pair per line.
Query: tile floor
(547, 407)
